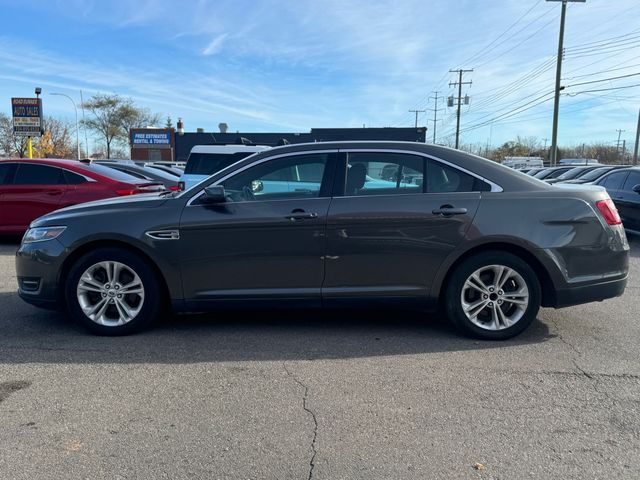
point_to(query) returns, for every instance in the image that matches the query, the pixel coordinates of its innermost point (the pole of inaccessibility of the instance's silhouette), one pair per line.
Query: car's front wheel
(493, 296)
(112, 291)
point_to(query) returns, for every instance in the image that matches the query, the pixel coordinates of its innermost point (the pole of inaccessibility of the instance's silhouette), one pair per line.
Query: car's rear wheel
(493, 296)
(112, 291)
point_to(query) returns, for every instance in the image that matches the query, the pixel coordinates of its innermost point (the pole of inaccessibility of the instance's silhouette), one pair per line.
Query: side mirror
(213, 194)
(636, 188)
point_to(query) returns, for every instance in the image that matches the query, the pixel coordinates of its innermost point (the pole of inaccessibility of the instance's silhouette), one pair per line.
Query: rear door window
(614, 180)
(380, 173)
(31, 174)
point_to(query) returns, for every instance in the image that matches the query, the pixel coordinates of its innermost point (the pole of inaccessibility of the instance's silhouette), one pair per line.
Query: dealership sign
(150, 138)
(27, 116)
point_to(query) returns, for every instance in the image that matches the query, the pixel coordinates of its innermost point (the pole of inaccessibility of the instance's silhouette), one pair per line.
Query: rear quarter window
(442, 178)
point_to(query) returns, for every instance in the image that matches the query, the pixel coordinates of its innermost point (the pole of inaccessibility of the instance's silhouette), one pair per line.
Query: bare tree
(11, 145)
(112, 117)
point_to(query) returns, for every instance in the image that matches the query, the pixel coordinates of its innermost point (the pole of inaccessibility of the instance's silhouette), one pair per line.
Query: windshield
(543, 173)
(573, 173)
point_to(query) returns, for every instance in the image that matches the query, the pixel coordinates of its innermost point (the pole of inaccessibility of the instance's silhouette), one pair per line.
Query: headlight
(42, 233)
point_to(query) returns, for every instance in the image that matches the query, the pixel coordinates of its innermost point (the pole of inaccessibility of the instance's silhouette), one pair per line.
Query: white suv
(205, 160)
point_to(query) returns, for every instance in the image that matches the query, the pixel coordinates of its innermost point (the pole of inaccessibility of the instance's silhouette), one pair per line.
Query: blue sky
(294, 65)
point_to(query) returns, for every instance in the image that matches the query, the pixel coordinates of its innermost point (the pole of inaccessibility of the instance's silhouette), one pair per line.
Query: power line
(604, 79)
(489, 47)
(484, 51)
(603, 90)
(515, 111)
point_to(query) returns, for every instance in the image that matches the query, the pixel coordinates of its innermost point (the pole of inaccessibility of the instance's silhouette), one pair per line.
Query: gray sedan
(169, 180)
(334, 224)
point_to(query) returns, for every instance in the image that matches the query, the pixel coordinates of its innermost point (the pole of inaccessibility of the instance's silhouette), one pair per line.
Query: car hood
(139, 201)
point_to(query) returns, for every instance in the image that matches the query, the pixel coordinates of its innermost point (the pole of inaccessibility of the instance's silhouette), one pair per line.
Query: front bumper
(38, 268)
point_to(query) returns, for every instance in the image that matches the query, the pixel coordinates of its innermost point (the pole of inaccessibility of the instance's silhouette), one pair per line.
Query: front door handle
(449, 210)
(301, 215)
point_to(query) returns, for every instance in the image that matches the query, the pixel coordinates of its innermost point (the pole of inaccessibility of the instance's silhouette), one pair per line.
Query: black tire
(453, 304)
(151, 304)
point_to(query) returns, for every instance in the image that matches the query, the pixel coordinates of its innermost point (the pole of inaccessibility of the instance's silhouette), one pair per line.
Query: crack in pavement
(596, 382)
(313, 416)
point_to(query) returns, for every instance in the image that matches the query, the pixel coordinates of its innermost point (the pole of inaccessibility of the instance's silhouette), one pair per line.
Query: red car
(32, 188)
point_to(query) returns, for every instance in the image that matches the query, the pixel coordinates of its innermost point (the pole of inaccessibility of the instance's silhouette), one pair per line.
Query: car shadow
(31, 335)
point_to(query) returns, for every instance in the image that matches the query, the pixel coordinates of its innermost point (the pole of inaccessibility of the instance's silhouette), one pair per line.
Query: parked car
(533, 171)
(623, 185)
(593, 175)
(575, 172)
(173, 170)
(142, 172)
(551, 172)
(205, 160)
(32, 188)
(486, 243)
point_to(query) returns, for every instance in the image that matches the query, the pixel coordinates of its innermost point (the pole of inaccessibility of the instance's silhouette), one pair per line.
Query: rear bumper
(594, 292)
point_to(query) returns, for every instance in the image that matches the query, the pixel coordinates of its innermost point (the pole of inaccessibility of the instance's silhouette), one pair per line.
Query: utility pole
(459, 83)
(624, 151)
(635, 149)
(556, 99)
(77, 129)
(84, 125)
(618, 143)
(435, 114)
(417, 112)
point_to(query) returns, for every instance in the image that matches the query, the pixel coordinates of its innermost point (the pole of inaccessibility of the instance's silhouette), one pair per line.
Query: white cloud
(215, 45)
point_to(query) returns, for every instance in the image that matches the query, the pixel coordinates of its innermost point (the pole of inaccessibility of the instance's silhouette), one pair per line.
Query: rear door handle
(448, 210)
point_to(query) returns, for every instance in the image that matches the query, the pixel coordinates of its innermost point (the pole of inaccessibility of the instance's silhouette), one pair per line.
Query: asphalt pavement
(322, 395)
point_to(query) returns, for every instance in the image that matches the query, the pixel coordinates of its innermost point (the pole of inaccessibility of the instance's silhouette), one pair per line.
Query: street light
(77, 129)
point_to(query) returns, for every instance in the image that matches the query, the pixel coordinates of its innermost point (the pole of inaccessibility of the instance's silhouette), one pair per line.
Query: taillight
(182, 186)
(609, 211)
(175, 188)
(126, 191)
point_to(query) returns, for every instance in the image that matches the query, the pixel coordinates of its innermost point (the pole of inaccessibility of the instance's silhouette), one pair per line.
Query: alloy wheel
(110, 293)
(494, 297)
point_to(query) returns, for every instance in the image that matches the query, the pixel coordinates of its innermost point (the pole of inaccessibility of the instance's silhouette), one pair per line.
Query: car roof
(232, 148)
(59, 162)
